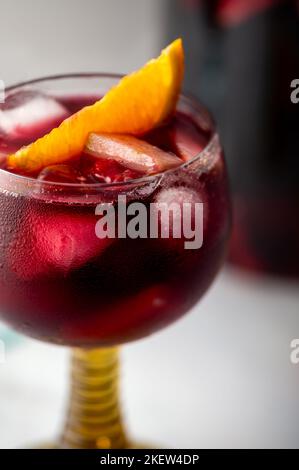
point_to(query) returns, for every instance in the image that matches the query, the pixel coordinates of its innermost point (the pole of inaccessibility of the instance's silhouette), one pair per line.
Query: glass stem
(94, 418)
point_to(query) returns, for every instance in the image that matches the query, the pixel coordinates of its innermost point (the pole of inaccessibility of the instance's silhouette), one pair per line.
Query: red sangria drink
(71, 275)
(60, 282)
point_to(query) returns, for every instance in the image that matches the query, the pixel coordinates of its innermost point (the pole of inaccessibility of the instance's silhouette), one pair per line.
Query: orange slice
(137, 104)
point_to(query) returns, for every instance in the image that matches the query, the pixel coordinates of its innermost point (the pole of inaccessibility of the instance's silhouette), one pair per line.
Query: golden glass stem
(94, 418)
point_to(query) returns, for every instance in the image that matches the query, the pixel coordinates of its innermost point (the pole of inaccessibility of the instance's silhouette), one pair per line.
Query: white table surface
(220, 377)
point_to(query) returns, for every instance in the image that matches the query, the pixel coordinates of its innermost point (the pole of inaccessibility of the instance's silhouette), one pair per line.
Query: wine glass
(62, 284)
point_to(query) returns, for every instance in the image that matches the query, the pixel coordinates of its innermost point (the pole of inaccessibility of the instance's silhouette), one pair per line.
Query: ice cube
(61, 174)
(132, 153)
(29, 114)
(171, 204)
(51, 244)
(187, 140)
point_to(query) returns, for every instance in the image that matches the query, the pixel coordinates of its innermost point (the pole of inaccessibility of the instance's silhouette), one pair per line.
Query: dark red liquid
(60, 283)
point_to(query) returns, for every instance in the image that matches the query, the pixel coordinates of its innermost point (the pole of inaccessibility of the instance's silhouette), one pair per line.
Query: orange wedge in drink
(140, 102)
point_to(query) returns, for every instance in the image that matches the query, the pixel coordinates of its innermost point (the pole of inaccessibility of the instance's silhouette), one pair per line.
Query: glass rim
(187, 97)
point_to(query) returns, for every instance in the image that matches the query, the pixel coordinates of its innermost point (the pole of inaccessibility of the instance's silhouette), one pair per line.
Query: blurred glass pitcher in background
(244, 57)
